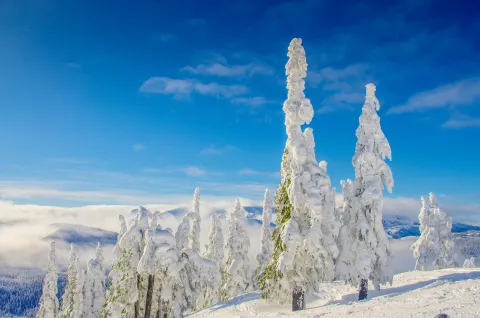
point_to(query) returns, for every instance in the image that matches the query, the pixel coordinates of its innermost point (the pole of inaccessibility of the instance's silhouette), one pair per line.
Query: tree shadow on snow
(395, 291)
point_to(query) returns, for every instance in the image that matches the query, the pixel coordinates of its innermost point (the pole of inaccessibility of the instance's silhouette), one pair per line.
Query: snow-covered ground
(455, 292)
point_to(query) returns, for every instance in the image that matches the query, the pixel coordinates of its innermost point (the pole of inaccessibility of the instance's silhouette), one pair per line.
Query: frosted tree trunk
(298, 299)
(363, 289)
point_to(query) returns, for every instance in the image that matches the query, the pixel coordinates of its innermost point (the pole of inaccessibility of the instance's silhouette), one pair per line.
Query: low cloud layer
(22, 227)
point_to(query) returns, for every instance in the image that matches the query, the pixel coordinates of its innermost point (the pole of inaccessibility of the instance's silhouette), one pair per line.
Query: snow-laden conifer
(434, 249)
(365, 252)
(94, 285)
(266, 244)
(305, 236)
(48, 305)
(72, 300)
(237, 271)
(194, 235)
(469, 263)
(215, 247)
(125, 287)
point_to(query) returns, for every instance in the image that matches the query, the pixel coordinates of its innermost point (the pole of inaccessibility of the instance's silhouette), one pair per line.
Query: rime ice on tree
(214, 248)
(48, 305)
(434, 249)
(266, 246)
(94, 285)
(305, 237)
(72, 299)
(364, 249)
(237, 271)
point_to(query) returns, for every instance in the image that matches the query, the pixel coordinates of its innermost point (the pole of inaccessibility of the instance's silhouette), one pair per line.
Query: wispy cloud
(138, 147)
(214, 150)
(249, 172)
(343, 87)
(458, 121)
(462, 92)
(225, 70)
(183, 88)
(194, 171)
(256, 101)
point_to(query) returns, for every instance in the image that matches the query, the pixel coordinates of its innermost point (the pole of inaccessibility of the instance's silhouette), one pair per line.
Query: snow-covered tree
(469, 263)
(48, 305)
(214, 248)
(194, 236)
(365, 252)
(266, 244)
(305, 236)
(188, 233)
(434, 249)
(237, 271)
(126, 287)
(72, 299)
(94, 285)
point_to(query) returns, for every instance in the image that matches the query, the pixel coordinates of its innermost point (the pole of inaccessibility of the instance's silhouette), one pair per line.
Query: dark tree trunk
(298, 299)
(137, 304)
(148, 303)
(363, 289)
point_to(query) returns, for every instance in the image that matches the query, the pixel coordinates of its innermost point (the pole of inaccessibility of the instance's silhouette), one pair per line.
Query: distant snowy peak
(81, 235)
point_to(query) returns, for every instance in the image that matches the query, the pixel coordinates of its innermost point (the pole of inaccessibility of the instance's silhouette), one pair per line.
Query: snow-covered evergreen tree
(469, 263)
(237, 271)
(365, 252)
(94, 285)
(305, 236)
(48, 305)
(266, 244)
(434, 249)
(126, 287)
(194, 235)
(188, 232)
(72, 300)
(214, 248)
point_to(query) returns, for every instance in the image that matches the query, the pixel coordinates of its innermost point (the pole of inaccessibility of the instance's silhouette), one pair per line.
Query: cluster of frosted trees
(84, 291)
(156, 273)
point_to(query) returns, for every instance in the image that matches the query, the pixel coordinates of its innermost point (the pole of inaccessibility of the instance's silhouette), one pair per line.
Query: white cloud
(214, 150)
(461, 121)
(138, 147)
(225, 70)
(343, 87)
(462, 92)
(183, 88)
(252, 101)
(194, 171)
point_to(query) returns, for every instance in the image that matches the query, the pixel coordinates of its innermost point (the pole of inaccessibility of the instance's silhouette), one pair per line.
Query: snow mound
(413, 294)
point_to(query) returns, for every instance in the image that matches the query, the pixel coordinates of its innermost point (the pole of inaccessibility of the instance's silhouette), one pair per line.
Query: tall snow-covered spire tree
(194, 235)
(237, 271)
(365, 248)
(214, 248)
(266, 245)
(94, 285)
(72, 299)
(304, 239)
(48, 305)
(434, 249)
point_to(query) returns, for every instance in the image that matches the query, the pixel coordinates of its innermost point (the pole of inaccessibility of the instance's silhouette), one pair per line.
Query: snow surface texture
(434, 249)
(364, 248)
(454, 292)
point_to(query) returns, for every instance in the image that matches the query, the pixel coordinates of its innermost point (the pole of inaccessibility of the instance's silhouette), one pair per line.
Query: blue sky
(121, 101)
